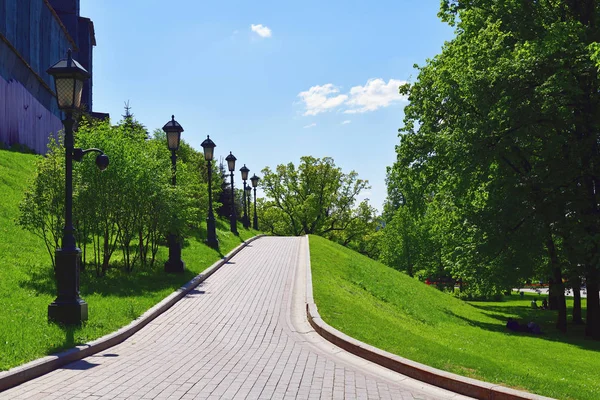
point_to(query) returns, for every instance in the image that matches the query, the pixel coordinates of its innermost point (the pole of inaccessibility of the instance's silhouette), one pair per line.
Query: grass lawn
(27, 280)
(390, 310)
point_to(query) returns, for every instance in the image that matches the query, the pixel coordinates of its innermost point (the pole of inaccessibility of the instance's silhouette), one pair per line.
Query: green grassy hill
(27, 282)
(388, 309)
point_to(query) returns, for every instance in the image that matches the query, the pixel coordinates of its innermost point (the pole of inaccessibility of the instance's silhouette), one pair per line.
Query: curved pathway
(241, 334)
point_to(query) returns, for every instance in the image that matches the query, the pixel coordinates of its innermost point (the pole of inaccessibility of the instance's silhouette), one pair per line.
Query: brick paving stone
(231, 338)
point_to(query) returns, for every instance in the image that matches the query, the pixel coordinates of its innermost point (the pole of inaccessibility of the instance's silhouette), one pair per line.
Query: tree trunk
(557, 290)
(592, 327)
(576, 286)
(105, 257)
(552, 297)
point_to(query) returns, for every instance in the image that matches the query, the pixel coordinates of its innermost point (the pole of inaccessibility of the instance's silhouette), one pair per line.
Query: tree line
(498, 167)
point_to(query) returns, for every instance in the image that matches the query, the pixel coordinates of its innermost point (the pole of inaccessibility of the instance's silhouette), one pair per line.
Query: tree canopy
(499, 151)
(318, 198)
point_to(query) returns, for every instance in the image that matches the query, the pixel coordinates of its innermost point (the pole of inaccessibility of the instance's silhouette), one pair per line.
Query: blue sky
(270, 81)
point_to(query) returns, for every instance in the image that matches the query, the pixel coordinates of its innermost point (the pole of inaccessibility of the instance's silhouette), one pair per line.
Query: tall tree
(505, 120)
(315, 198)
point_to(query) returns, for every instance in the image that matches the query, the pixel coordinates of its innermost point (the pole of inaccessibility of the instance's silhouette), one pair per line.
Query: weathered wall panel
(23, 119)
(39, 39)
(32, 38)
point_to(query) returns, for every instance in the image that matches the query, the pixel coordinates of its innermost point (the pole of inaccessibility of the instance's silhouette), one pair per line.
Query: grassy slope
(27, 283)
(394, 312)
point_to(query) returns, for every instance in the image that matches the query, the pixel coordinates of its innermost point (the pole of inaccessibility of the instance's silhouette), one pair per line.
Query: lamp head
(102, 162)
(68, 76)
(173, 131)
(209, 147)
(244, 170)
(230, 162)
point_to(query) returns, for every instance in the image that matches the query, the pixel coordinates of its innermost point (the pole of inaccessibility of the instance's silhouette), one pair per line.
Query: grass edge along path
(391, 311)
(27, 282)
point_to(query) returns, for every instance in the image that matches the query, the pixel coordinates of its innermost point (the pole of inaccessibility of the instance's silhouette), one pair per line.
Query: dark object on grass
(513, 325)
(531, 327)
(544, 304)
(534, 328)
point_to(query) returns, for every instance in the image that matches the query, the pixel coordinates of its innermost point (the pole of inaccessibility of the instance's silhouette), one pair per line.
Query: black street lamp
(248, 191)
(68, 307)
(211, 234)
(245, 220)
(255, 180)
(173, 130)
(232, 218)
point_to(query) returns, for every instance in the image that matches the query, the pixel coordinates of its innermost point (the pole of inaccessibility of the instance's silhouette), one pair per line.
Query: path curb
(41, 366)
(446, 380)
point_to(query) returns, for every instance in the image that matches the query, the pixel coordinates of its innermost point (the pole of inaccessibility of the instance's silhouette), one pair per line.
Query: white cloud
(346, 122)
(319, 99)
(261, 30)
(310, 125)
(375, 94)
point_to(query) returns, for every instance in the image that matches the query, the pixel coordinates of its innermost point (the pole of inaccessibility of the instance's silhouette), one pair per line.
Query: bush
(130, 206)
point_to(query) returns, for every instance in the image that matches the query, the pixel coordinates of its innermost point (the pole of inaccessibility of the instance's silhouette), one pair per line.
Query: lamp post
(211, 234)
(255, 180)
(245, 220)
(173, 130)
(248, 191)
(68, 307)
(232, 218)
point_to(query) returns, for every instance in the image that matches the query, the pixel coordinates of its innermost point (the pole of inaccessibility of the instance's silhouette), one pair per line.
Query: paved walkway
(242, 334)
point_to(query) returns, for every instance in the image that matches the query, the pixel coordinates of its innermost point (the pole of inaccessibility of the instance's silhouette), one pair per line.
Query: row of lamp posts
(68, 307)
(173, 130)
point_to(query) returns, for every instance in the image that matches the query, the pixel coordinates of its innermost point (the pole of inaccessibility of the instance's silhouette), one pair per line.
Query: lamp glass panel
(173, 140)
(244, 175)
(254, 182)
(208, 153)
(77, 93)
(231, 165)
(64, 92)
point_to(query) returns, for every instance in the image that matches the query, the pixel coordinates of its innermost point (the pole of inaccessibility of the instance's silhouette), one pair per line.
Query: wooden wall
(32, 38)
(39, 38)
(23, 119)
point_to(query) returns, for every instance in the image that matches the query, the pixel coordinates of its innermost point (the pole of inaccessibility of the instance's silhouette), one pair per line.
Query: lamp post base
(174, 264)
(233, 225)
(175, 267)
(213, 243)
(211, 231)
(68, 308)
(68, 313)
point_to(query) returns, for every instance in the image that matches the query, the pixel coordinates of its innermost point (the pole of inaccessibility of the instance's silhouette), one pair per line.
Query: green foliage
(389, 310)
(499, 154)
(41, 210)
(316, 198)
(125, 210)
(130, 205)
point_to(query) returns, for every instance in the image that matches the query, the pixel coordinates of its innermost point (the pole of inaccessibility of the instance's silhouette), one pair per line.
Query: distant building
(35, 34)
